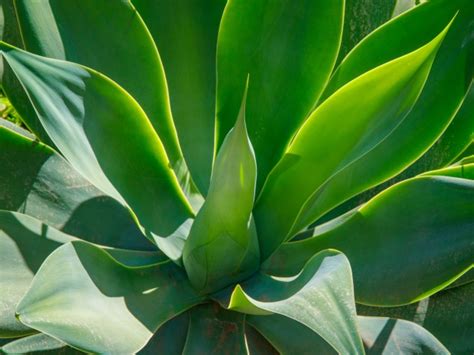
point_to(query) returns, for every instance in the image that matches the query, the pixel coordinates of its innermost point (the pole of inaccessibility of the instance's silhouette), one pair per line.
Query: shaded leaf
(447, 315)
(186, 35)
(36, 181)
(170, 338)
(319, 297)
(213, 330)
(290, 337)
(63, 30)
(256, 343)
(360, 18)
(408, 242)
(395, 336)
(24, 244)
(78, 107)
(89, 301)
(289, 49)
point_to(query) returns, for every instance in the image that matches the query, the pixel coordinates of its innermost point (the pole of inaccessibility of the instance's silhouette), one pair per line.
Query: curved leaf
(79, 108)
(212, 330)
(395, 336)
(38, 343)
(407, 243)
(319, 297)
(170, 338)
(447, 315)
(353, 123)
(122, 49)
(256, 343)
(289, 49)
(290, 337)
(405, 34)
(24, 244)
(457, 137)
(362, 17)
(36, 181)
(86, 299)
(222, 247)
(186, 35)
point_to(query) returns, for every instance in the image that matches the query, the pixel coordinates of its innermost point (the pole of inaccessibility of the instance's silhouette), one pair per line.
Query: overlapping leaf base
(237, 177)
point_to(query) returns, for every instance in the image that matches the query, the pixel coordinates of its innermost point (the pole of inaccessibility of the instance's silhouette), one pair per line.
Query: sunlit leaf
(289, 49)
(352, 124)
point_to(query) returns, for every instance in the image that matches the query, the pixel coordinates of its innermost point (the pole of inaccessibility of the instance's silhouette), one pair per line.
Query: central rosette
(222, 247)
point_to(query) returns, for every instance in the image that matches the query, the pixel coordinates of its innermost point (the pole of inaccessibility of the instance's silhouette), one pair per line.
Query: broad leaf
(222, 247)
(36, 181)
(380, 336)
(395, 336)
(289, 49)
(24, 244)
(122, 49)
(407, 243)
(41, 343)
(406, 33)
(186, 35)
(447, 315)
(443, 93)
(319, 297)
(213, 330)
(353, 124)
(79, 109)
(170, 338)
(290, 337)
(86, 299)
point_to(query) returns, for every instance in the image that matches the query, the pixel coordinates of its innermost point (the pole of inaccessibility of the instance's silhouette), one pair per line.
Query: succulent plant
(212, 176)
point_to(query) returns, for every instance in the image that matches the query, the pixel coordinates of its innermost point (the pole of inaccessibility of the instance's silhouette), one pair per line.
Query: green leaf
(457, 137)
(290, 337)
(86, 299)
(319, 297)
(38, 343)
(465, 171)
(289, 49)
(80, 108)
(447, 315)
(213, 330)
(408, 242)
(170, 338)
(186, 35)
(353, 124)
(256, 343)
(405, 34)
(395, 336)
(122, 49)
(36, 181)
(360, 18)
(24, 244)
(444, 91)
(222, 247)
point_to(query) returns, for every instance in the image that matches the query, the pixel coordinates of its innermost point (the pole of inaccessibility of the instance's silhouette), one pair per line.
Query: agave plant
(233, 177)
